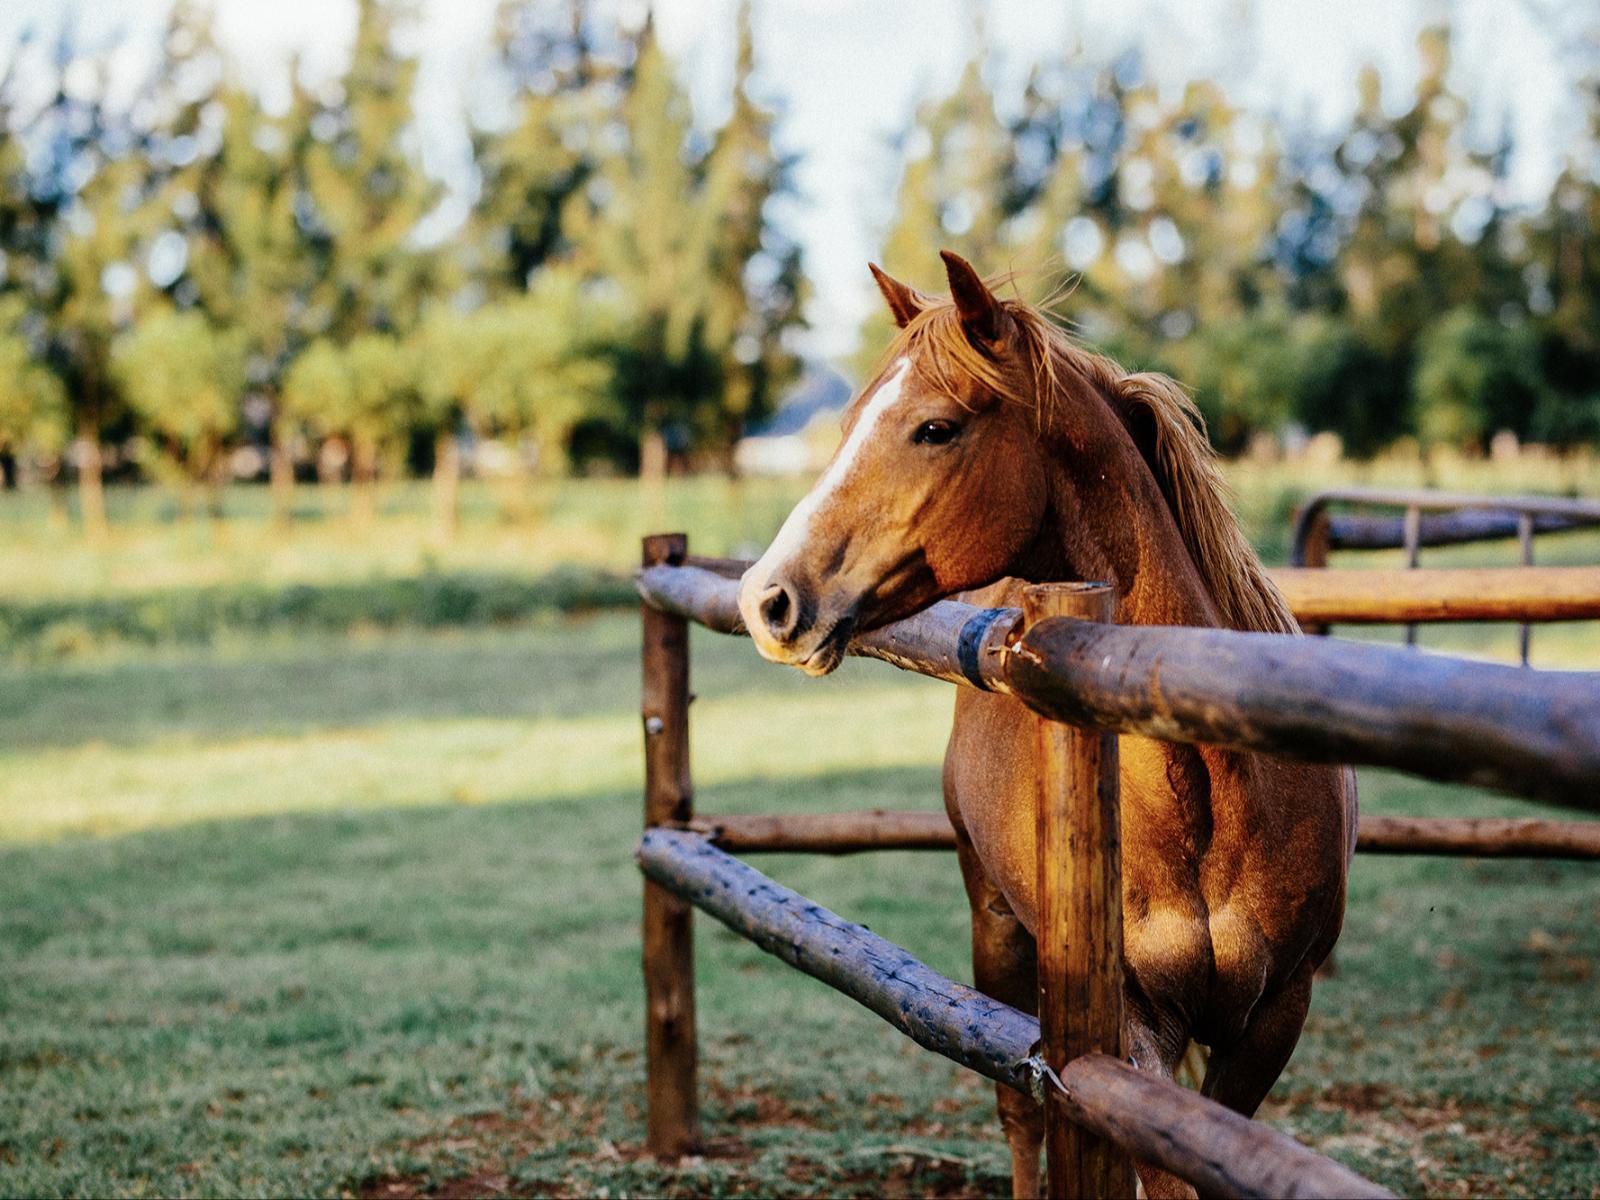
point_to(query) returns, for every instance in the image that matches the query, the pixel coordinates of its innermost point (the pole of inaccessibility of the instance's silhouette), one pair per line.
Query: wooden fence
(1529, 734)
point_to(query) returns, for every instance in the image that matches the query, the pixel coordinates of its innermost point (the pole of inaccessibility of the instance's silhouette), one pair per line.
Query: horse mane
(1160, 417)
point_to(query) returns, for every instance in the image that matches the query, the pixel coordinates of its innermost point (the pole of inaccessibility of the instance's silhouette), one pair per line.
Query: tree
(1345, 387)
(524, 366)
(183, 379)
(958, 170)
(362, 393)
(33, 404)
(601, 172)
(754, 270)
(366, 189)
(1245, 373)
(648, 240)
(228, 198)
(1475, 376)
(536, 168)
(86, 188)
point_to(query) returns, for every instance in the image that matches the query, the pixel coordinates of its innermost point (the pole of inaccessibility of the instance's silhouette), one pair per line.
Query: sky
(846, 76)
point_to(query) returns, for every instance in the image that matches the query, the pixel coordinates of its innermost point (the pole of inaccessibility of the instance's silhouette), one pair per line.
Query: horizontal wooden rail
(1215, 1149)
(1392, 597)
(1320, 596)
(880, 829)
(1480, 837)
(1528, 733)
(828, 833)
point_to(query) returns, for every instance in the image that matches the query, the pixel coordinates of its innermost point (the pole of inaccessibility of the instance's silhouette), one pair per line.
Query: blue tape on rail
(970, 644)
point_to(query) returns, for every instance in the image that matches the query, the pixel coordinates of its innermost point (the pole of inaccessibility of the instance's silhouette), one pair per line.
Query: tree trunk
(652, 458)
(446, 487)
(653, 478)
(280, 477)
(91, 488)
(363, 479)
(216, 477)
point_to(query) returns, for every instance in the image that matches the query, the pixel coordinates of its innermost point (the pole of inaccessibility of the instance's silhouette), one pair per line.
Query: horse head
(937, 486)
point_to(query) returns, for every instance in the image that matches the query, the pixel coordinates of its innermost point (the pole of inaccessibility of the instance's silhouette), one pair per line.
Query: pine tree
(366, 188)
(565, 77)
(648, 241)
(958, 170)
(229, 197)
(88, 187)
(33, 406)
(755, 272)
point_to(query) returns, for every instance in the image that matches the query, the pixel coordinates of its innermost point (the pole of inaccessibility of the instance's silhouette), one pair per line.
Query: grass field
(345, 904)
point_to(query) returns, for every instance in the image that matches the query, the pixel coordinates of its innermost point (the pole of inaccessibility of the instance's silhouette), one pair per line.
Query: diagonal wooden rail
(1217, 1150)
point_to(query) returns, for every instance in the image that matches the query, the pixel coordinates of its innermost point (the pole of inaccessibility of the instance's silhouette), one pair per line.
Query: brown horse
(991, 450)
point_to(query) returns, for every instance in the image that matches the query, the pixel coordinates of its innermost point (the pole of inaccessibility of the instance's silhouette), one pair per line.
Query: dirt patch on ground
(408, 1187)
(749, 1105)
(555, 1147)
(1420, 1128)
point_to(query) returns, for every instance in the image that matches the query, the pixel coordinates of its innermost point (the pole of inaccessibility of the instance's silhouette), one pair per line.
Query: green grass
(316, 878)
(167, 581)
(371, 915)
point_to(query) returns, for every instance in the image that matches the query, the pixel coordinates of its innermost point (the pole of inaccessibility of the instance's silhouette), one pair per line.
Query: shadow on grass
(570, 665)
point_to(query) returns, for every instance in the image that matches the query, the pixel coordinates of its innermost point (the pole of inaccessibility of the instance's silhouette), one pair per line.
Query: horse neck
(1109, 520)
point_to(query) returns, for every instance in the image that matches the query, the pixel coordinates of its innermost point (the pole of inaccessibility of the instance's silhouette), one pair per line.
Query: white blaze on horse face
(797, 528)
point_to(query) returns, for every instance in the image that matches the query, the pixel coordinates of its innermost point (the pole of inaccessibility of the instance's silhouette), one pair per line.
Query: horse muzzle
(790, 626)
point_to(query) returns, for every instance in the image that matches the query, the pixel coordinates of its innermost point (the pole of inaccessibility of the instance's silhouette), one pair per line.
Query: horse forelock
(1165, 425)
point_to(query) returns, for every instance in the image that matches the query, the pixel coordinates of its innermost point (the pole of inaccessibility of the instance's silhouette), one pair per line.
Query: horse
(991, 450)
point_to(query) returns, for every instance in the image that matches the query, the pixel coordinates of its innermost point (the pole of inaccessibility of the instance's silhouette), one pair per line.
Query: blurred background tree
(622, 288)
(33, 404)
(182, 380)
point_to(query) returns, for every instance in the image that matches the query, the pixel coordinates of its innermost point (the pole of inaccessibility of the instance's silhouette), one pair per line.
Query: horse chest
(992, 788)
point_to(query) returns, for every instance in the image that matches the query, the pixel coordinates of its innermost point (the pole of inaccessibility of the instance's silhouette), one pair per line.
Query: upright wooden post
(1313, 552)
(1080, 913)
(673, 1106)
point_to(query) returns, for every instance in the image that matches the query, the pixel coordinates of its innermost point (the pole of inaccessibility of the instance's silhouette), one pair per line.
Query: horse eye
(935, 433)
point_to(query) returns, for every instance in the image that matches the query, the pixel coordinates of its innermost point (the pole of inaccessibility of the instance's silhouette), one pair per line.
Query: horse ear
(981, 315)
(904, 302)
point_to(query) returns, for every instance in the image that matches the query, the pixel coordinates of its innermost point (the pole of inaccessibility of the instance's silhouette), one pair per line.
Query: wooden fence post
(671, 1053)
(1080, 913)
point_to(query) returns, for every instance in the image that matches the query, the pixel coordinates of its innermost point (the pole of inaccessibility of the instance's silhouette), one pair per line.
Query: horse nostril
(778, 610)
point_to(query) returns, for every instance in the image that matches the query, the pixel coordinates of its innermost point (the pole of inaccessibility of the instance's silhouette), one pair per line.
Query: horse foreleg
(1005, 966)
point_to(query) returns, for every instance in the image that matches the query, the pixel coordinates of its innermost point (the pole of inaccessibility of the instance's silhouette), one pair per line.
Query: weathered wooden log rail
(1432, 518)
(922, 829)
(1396, 597)
(1217, 1150)
(1317, 595)
(1530, 734)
